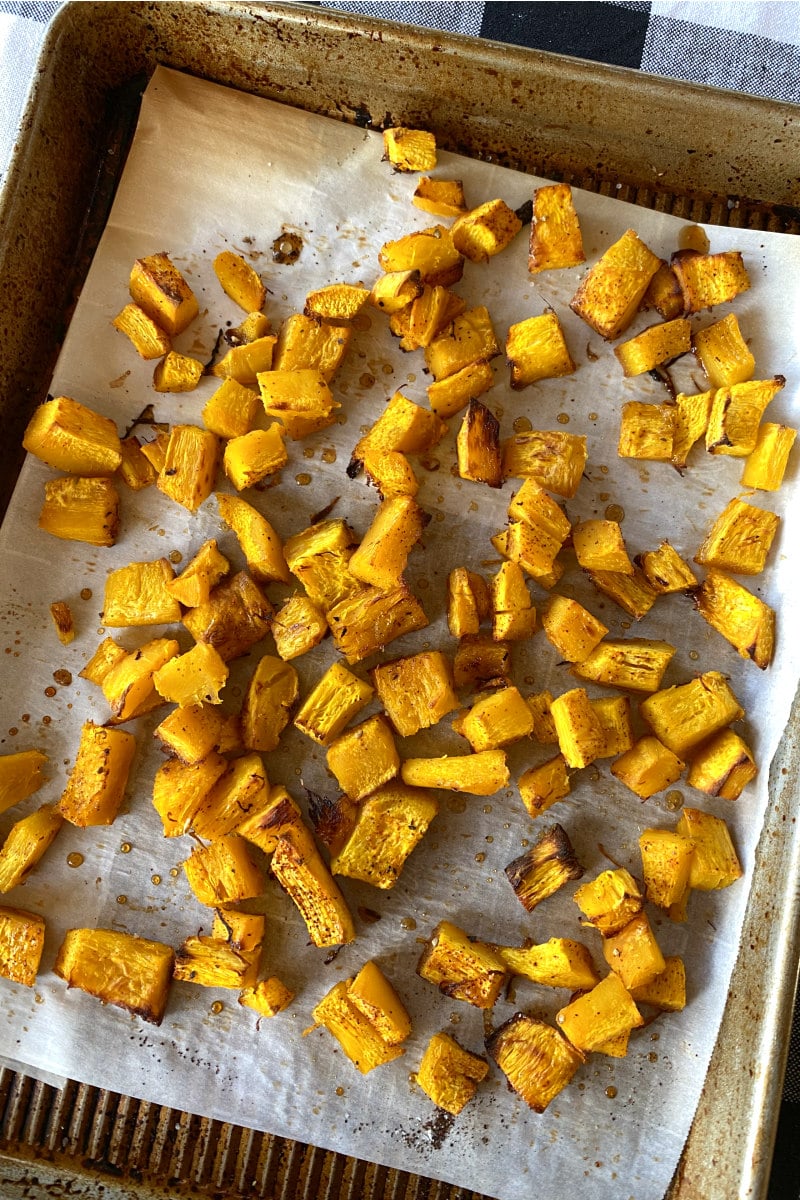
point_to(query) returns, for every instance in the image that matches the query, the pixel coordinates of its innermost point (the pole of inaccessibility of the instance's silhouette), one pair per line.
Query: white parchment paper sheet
(213, 169)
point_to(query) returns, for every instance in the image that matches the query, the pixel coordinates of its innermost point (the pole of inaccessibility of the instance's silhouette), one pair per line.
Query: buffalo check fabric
(752, 48)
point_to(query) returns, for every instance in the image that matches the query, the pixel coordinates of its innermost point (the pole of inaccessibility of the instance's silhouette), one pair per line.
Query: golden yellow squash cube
(723, 353)
(268, 702)
(429, 251)
(200, 576)
(610, 900)
(723, 766)
(478, 446)
(742, 618)
(196, 677)
(190, 466)
(497, 720)
(609, 296)
(364, 758)
(210, 962)
(554, 459)
(232, 409)
(416, 692)
(648, 767)
(449, 395)
(714, 863)
(235, 617)
(481, 774)
(177, 373)
(542, 786)
(26, 843)
(20, 776)
(601, 1014)
(535, 1058)
(647, 431)
(240, 281)
(448, 1074)
(536, 349)
(666, 863)
(709, 279)
(241, 790)
(81, 510)
(96, 788)
(388, 827)
(297, 627)
(736, 413)
(653, 346)
(667, 991)
(578, 729)
(191, 733)
(555, 239)
(319, 558)
(332, 703)
(158, 287)
(298, 397)
(766, 464)
(21, 945)
(258, 540)
(685, 715)
(369, 619)
(637, 664)
(223, 872)
(179, 788)
(442, 197)
(146, 335)
(268, 997)
(740, 539)
(470, 338)
(485, 231)
(633, 953)
(133, 973)
(71, 437)
(571, 628)
(666, 571)
(409, 149)
(381, 558)
(559, 962)
(137, 594)
(462, 968)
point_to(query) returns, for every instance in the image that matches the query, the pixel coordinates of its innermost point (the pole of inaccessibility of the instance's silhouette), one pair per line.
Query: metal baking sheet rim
(729, 1149)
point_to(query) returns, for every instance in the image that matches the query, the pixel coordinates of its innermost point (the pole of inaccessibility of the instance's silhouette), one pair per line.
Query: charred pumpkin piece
(117, 968)
(666, 571)
(279, 818)
(610, 900)
(480, 662)
(542, 870)
(81, 510)
(441, 197)
(297, 627)
(26, 844)
(190, 466)
(244, 363)
(667, 991)
(542, 786)
(223, 872)
(536, 349)
(554, 459)
(470, 338)
(571, 628)
(409, 149)
(450, 395)
(684, 716)
(481, 774)
(736, 413)
(664, 293)
(740, 539)
(305, 878)
(20, 776)
(448, 1074)
(235, 617)
(63, 621)
(72, 438)
(192, 732)
(648, 767)
(306, 345)
(429, 251)
(389, 825)
(631, 592)
(709, 279)
(212, 962)
(370, 618)
(600, 1015)
(555, 239)
(633, 953)
(240, 281)
(485, 231)
(742, 618)
(666, 863)
(241, 790)
(689, 423)
(158, 287)
(609, 296)
(194, 584)
(714, 863)
(96, 788)
(766, 464)
(177, 373)
(146, 336)
(723, 353)
(560, 962)
(416, 692)
(647, 431)
(535, 1058)
(478, 446)
(332, 704)
(462, 968)
(723, 767)
(268, 997)
(364, 758)
(654, 346)
(232, 409)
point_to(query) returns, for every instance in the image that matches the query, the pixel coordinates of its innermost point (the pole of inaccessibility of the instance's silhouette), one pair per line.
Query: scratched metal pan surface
(702, 154)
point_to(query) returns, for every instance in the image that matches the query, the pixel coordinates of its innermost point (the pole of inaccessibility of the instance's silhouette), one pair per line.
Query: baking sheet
(211, 169)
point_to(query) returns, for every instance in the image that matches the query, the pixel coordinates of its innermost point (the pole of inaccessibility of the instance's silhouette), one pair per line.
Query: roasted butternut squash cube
(536, 349)
(258, 540)
(513, 616)
(177, 373)
(742, 618)
(723, 766)
(448, 1074)
(548, 865)
(531, 547)
(21, 945)
(740, 539)
(416, 692)
(268, 997)
(633, 953)
(544, 729)
(198, 578)
(409, 149)
(714, 863)
(72, 438)
(571, 628)
(371, 618)
(196, 677)
(255, 456)
(467, 606)
(192, 732)
(532, 505)
(333, 702)
(470, 338)
(653, 346)
(20, 776)
(690, 416)
(481, 774)
(462, 968)
(395, 290)
(560, 962)
(666, 863)
(542, 786)
(736, 413)
(425, 317)
(280, 818)
(298, 397)
(235, 617)
(364, 758)
(96, 788)
(648, 767)
(535, 1058)
(81, 510)
(450, 395)
(554, 459)
(26, 844)
(478, 446)
(578, 729)
(240, 791)
(666, 571)
(211, 962)
(158, 287)
(381, 558)
(223, 872)
(242, 930)
(369, 1031)
(135, 469)
(442, 197)
(723, 353)
(664, 293)
(137, 594)
(480, 662)
(600, 546)
(485, 231)
(429, 251)
(709, 279)
(391, 473)
(128, 683)
(667, 992)
(647, 431)
(179, 788)
(402, 426)
(389, 825)
(240, 281)
(297, 627)
(637, 664)
(631, 591)
(766, 464)
(497, 720)
(130, 972)
(244, 363)
(609, 295)
(268, 701)
(610, 900)
(190, 466)
(614, 715)
(306, 345)
(373, 995)
(682, 717)
(147, 337)
(232, 409)
(336, 303)
(555, 239)
(601, 1014)
(305, 878)
(155, 451)
(319, 558)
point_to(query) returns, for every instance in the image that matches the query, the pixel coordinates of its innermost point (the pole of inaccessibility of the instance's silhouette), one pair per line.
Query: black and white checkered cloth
(751, 47)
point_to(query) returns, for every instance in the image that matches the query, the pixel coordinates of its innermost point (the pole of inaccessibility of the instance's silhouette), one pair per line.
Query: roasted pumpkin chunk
(388, 827)
(460, 967)
(131, 972)
(535, 1058)
(448, 1074)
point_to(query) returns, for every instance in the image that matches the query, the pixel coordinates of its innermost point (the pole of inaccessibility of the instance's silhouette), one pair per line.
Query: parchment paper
(211, 169)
